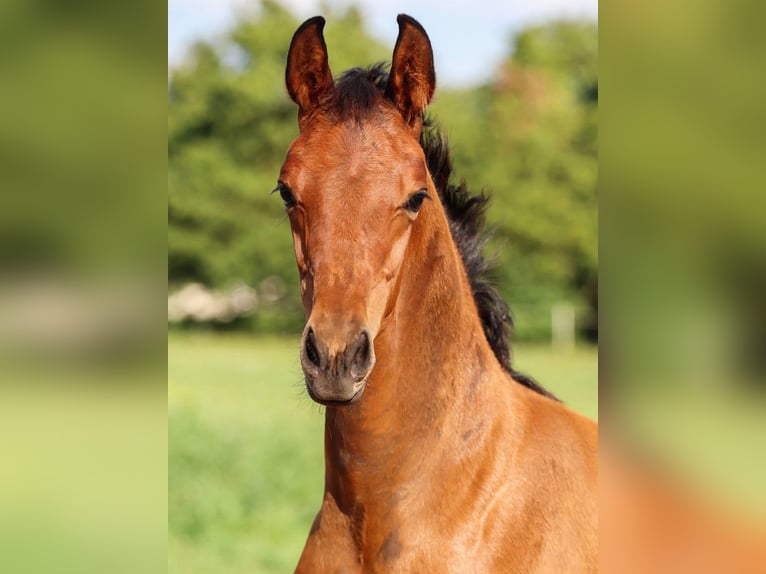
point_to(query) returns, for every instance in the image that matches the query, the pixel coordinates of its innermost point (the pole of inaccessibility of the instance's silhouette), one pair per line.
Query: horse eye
(416, 201)
(287, 195)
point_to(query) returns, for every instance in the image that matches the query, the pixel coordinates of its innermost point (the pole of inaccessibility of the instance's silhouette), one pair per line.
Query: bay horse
(439, 457)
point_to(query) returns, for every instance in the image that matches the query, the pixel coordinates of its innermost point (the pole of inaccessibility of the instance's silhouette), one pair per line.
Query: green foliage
(228, 123)
(245, 451)
(529, 137)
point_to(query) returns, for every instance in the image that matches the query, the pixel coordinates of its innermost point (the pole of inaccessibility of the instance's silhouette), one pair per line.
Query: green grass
(245, 447)
(711, 436)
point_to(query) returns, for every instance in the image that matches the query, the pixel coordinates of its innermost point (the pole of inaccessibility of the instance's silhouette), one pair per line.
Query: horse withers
(439, 457)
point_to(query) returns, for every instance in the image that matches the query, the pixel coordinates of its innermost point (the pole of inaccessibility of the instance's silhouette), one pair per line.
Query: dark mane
(356, 91)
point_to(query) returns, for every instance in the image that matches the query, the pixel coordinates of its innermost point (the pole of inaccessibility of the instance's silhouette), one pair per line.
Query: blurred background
(111, 111)
(517, 96)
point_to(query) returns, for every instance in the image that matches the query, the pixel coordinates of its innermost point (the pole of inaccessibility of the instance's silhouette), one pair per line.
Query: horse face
(354, 182)
(351, 199)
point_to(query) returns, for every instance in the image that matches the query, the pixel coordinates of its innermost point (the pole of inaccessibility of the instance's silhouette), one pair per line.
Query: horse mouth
(336, 403)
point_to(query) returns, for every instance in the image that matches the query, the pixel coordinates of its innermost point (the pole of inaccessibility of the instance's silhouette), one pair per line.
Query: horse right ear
(308, 75)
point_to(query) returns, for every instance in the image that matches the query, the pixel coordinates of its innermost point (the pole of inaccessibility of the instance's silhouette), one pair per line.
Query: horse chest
(333, 547)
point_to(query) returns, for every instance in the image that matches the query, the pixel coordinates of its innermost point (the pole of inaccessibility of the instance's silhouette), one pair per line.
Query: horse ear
(412, 80)
(308, 74)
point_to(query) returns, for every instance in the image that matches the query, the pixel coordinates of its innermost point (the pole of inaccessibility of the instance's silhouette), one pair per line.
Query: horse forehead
(353, 169)
(361, 150)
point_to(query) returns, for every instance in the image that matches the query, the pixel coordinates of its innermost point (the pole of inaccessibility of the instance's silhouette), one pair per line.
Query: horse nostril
(362, 355)
(362, 349)
(312, 353)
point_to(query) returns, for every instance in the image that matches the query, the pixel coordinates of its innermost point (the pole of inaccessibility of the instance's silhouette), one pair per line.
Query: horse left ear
(412, 80)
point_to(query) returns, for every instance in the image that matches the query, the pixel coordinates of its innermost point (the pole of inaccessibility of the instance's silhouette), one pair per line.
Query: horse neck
(432, 356)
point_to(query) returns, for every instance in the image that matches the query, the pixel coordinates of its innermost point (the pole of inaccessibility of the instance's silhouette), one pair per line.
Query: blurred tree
(529, 137)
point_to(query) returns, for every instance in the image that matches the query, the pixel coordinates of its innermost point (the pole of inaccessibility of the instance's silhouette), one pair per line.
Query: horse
(439, 457)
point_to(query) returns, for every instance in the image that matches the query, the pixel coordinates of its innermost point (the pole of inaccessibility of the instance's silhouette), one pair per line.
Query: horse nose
(354, 360)
(336, 364)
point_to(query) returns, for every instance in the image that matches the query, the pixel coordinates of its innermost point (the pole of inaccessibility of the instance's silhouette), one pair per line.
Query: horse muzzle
(336, 367)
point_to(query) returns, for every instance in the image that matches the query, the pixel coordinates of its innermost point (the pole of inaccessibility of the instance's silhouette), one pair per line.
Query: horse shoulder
(553, 512)
(330, 547)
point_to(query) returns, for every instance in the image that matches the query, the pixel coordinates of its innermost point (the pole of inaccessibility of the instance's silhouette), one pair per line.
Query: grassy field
(245, 462)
